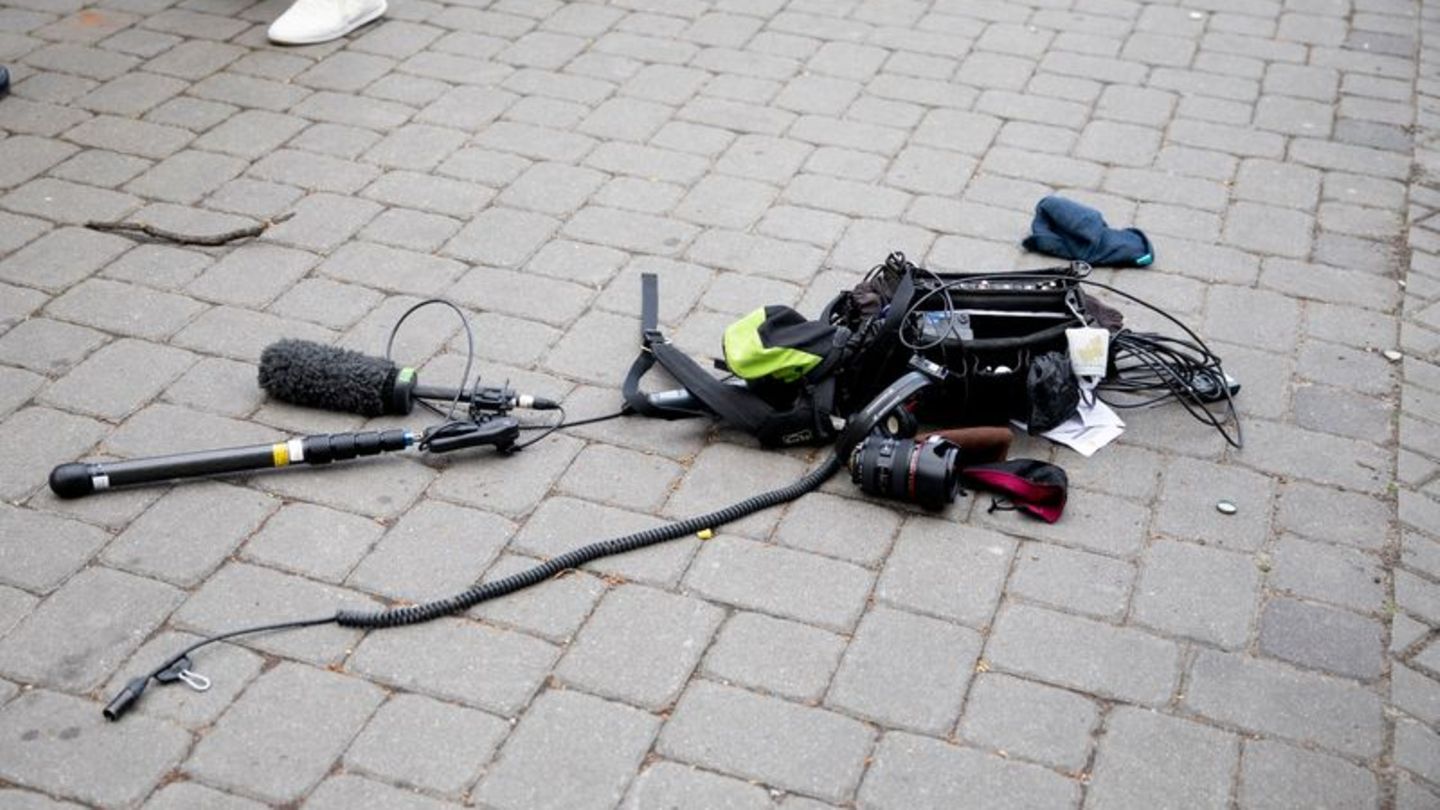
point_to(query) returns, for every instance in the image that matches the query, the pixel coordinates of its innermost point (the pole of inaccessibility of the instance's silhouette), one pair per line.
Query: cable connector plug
(122, 702)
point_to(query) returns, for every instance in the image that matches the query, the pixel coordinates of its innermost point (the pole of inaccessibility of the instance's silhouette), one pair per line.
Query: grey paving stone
(163, 542)
(1410, 796)
(263, 595)
(434, 550)
(341, 141)
(414, 230)
(1318, 282)
(805, 750)
(578, 262)
(62, 745)
(1275, 775)
(229, 668)
(1413, 691)
(501, 237)
(906, 671)
(77, 637)
(630, 231)
(163, 429)
(161, 267)
(712, 483)
(436, 194)
(25, 156)
(182, 795)
(220, 386)
(125, 309)
(913, 771)
(838, 527)
(1328, 574)
(186, 177)
(1078, 653)
(1335, 410)
(1272, 698)
(312, 540)
(1417, 748)
(36, 439)
(553, 188)
(255, 198)
(621, 477)
(791, 660)
(554, 611)
(640, 646)
(670, 784)
(1335, 641)
(786, 583)
(252, 276)
(39, 118)
(251, 133)
(746, 253)
(313, 172)
(1197, 592)
(48, 346)
(560, 524)
(379, 488)
(1146, 759)
(1072, 580)
(1230, 315)
(62, 257)
(1021, 718)
(281, 736)
(455, 659)
(599, 745)
(118, 378)
(1325, 513)
(26, 800)
(1361, 371)
(15, 604)
(243, 334)
(411, 740)
(16, 388)
(154, 141)
(1187, 504)
(196, 115)
(354, 793)
(953, 572)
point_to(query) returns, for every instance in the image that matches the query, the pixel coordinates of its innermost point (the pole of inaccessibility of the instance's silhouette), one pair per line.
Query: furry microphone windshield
(317, 376)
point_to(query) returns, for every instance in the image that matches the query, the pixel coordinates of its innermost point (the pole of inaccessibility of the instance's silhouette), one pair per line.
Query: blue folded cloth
(1073, 231)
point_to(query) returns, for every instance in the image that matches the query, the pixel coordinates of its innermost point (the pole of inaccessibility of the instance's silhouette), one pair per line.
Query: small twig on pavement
(210, 240)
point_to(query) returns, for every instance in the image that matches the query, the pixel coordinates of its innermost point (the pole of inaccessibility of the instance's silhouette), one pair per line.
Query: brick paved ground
(528, 159)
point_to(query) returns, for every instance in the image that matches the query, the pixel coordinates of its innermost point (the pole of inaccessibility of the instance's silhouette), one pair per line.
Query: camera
(921, 472)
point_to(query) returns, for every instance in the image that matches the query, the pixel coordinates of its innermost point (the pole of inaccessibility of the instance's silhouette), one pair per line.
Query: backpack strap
(738, 405)
(734, 404)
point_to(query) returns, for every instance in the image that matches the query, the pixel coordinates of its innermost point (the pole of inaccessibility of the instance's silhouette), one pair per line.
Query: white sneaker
(310, 21)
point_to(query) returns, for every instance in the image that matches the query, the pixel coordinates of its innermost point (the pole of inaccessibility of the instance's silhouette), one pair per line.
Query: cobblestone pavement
(528, 159)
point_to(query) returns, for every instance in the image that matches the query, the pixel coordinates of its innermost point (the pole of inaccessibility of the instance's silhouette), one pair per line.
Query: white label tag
(1089, 351)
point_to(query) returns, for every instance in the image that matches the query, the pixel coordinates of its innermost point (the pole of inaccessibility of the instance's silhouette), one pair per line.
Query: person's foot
(310, 21)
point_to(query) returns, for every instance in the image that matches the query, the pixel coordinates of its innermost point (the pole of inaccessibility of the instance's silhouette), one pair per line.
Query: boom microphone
(318, 376)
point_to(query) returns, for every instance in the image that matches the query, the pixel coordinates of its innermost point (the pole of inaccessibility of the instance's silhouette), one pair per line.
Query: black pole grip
(78, 479)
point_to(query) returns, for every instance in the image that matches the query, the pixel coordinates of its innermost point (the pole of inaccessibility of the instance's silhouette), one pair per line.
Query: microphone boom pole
(77, 479)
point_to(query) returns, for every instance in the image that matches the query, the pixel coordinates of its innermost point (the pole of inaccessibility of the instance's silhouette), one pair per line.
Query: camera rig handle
(923, 374)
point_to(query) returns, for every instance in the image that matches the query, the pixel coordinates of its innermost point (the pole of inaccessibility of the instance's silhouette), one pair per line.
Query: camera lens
(907, 470)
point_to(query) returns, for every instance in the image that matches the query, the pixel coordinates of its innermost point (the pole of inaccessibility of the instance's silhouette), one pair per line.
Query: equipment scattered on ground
(905, 346)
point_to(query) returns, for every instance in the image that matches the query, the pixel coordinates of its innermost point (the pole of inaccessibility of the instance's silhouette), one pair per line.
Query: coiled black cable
(415, 614)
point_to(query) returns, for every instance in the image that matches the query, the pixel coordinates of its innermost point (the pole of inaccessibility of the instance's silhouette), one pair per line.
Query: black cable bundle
(1153, 368)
